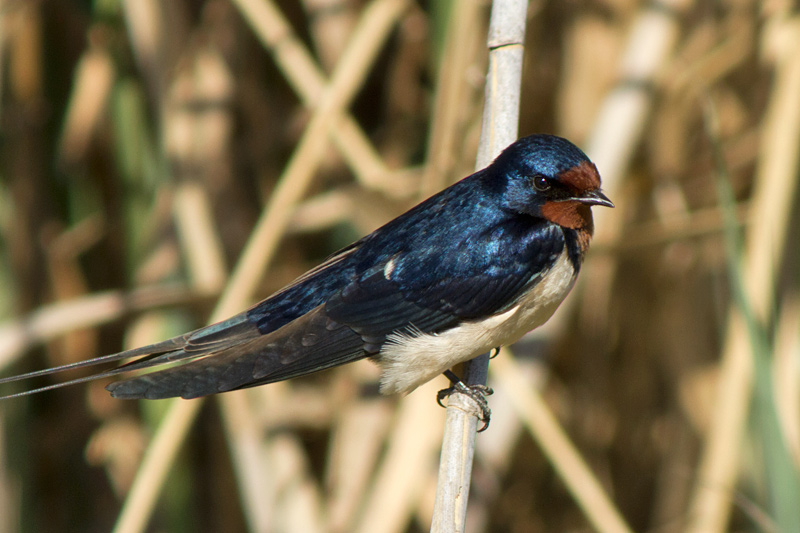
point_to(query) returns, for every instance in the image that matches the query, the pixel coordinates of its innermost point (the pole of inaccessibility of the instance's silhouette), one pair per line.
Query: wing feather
(311, 343)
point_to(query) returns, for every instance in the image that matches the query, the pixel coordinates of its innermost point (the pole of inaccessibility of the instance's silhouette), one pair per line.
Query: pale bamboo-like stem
(500, 119)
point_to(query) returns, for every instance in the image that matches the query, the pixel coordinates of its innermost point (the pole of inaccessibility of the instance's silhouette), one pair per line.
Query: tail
(184, 347)
(226, 356)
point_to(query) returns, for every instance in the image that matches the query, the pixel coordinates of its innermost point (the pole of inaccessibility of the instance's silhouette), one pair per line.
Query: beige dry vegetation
(164, 164)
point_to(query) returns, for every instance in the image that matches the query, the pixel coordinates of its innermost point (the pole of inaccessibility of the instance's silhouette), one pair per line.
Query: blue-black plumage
(473, 267)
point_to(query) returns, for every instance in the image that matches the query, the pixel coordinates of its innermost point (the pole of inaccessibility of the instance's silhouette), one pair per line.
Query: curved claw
(478, 394)
(442, 394)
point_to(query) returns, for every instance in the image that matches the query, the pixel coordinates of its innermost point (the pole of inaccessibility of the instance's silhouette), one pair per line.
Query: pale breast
(409, 360)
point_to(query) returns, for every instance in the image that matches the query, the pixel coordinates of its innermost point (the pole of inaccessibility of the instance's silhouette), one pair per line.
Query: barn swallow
(472, 268)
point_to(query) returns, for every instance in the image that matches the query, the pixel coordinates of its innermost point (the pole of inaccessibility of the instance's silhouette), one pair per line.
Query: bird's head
(549, 177)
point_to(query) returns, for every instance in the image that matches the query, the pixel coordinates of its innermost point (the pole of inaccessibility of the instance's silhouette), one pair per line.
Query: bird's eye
(541, 183)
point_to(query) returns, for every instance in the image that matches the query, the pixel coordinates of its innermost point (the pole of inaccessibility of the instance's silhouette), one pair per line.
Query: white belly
(409, 360)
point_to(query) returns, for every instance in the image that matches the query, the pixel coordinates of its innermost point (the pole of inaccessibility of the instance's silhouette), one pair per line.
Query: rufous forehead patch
(583, 177)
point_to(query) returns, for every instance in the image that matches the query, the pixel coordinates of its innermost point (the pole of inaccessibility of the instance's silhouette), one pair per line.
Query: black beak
(594, 198)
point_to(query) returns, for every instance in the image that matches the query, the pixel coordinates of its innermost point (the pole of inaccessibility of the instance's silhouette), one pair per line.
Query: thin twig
(500, 120)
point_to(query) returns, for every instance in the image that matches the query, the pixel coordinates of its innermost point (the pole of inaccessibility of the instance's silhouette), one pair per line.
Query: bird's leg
(477, 392)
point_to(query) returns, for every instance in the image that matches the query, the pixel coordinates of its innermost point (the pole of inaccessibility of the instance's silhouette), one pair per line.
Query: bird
(474, 267)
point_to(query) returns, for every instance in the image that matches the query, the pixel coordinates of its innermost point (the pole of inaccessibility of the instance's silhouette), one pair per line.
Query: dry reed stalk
(710, 63)
(199, 141)
(617, 132)
(94, 78)
(786, 376)
(146, 27)
(692, 225)
(592, 42)
(495, 449)
(202, 248)
(324, 211)
(364, 210)
(359, 435)
(156, 463)
(620, 121)
(562, 454)
(298, 499)
(775, 188)
(451, 97)
(401, 476)
(250, 452)
(67, 280)
(330, 23)
(374, 26)
(505, 41)
(49, 322)
(308, 81)
(25, 71)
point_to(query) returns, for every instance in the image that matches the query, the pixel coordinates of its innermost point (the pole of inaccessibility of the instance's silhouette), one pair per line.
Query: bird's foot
(478, 393)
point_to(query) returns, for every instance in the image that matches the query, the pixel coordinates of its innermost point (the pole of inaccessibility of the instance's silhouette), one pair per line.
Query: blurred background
(145, 145)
